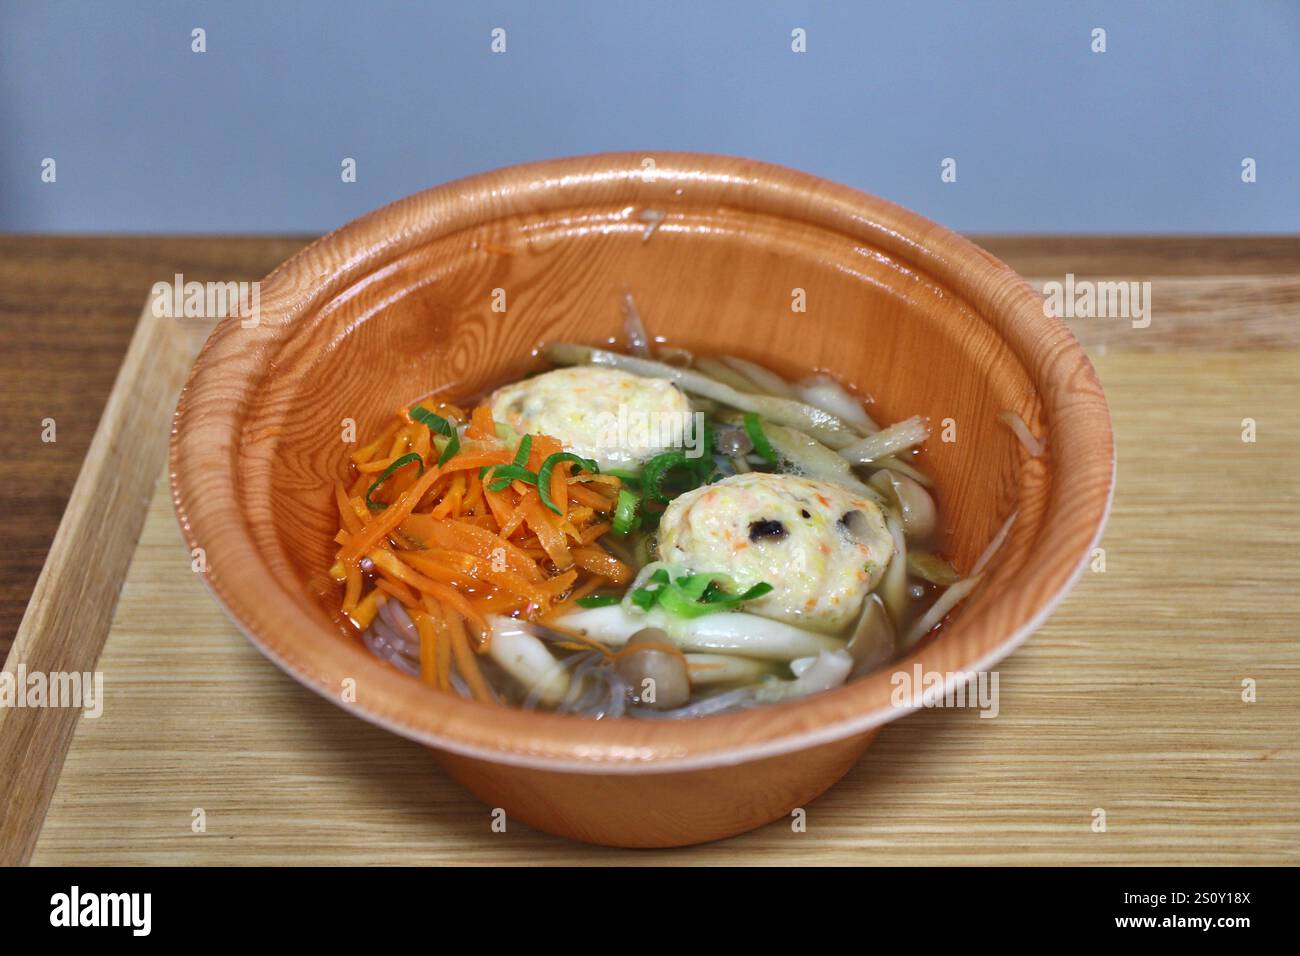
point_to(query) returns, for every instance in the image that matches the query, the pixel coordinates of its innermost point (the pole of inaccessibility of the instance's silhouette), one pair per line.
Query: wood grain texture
(972, 791)
(1141, 257)
(72, 604)
(1210, 312)
(1128, 699)
(68, 308)
(69, 304)
(399, 303)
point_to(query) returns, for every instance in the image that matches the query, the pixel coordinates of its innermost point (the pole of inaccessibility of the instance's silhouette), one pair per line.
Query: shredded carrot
(579, 515)
(499, 601)
(462, 536)
(595, 531)
(401, 441)
(588, 478)
(446, 595)
(481, 424)
(399, 591)
(422, 444)
(560, 583)
(571, 602)
(428, 647)
(501, 508)
(581, 642)
(388, 519)
(453, 551)
(439, 571)
(552, 539)
(436, 491)
(367, 608)
(516, 517)
(560, 486)
(364, 454)
(429, 562)
(601, 562)
(379, 464)
(450, 503)
(585, 588)
(592, 499)
(463, 462)
(465, 662)
(352, 591)
(351, 523)
(473, 493)
(543, 447)
(439, 621)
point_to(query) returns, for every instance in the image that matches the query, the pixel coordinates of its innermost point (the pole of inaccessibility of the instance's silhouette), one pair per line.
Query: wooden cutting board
(1128, 701)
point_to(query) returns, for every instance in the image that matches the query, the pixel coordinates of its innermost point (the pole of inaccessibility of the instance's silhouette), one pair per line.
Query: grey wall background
(1048, 136)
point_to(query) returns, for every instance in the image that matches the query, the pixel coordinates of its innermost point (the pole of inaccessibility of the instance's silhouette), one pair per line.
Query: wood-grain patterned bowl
(400, 302)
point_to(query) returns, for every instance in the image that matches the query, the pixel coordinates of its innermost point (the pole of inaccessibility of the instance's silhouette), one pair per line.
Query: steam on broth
(640, 535)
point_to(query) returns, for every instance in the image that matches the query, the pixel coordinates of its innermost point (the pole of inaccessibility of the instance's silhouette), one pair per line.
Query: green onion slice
(407, 459)
(439, 426)
(436, 423)
(624, 474)
(626, 519)
(502, 475)
(645, 596)
(453, 447)
(658, 468)
(694, 595)
(525, 449)
(597, 600)
(548, 466)
(754, 429)
(679, 601)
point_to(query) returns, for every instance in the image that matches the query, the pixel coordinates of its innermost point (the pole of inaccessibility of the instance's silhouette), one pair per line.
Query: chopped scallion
(548, 466)
(754, 429)
(407, 459)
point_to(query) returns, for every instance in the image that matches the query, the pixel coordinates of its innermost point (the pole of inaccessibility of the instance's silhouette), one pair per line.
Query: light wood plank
(1129, 699)
(1202, 313)
(68, 616)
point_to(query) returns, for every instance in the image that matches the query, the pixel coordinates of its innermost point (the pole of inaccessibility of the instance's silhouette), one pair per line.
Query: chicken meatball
(618, 419)
(820, 545)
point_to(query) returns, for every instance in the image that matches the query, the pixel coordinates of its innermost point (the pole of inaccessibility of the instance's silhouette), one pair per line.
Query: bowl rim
(203, 468)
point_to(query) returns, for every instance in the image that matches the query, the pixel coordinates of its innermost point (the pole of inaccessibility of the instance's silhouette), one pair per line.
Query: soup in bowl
(627, 489)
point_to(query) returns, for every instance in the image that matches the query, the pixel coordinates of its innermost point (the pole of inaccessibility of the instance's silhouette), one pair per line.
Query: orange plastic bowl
(400, 302)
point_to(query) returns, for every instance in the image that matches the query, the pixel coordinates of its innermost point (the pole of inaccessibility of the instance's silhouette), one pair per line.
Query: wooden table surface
(1128, 700)
(68, 306)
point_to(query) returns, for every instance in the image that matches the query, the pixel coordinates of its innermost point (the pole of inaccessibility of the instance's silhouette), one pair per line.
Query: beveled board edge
(71, 608)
